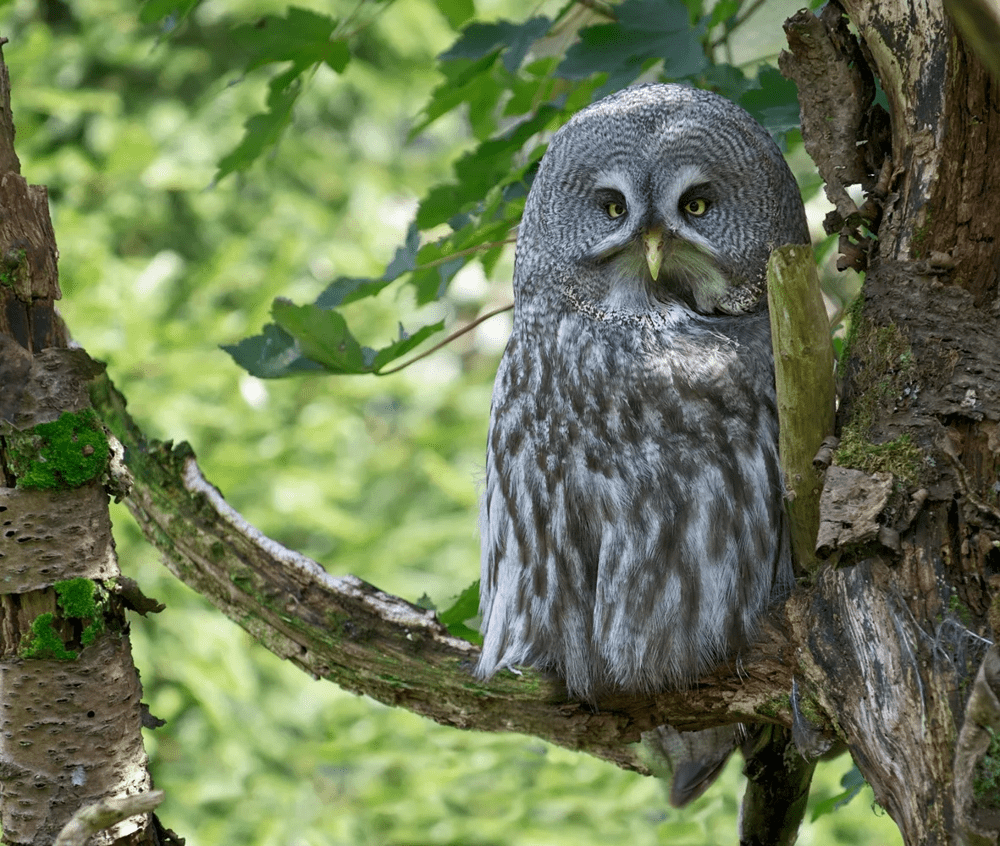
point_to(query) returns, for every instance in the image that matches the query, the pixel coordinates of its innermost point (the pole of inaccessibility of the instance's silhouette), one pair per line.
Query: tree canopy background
(160, 264)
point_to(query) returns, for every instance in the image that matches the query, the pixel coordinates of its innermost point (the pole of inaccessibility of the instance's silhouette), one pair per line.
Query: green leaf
(406, 256)
(322, 335)
(406, 342)
(349, 289)
(511, 40)
(853, 782)
(271, 355)
(723, 11)
(465, 82)
(262, 131)
(311, 338)
(647, 31)
(696, 8)
(490, 165)
(535, 85)
(774, 103)
(170, 12)
(303, 37)
(465, 607)
(667, 32)
(727, 80)
(457, 12)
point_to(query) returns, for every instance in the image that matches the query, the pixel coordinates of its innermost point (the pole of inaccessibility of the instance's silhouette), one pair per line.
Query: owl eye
(615, 209)
(696, 207)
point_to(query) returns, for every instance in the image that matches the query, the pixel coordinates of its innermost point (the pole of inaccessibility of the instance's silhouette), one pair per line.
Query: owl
(633, 528)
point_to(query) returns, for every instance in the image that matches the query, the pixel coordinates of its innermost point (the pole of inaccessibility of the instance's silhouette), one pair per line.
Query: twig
(456, 334)
(468, 251)
(88, 821)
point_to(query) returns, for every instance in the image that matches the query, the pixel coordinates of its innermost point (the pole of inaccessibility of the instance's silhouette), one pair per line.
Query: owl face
(660, 195)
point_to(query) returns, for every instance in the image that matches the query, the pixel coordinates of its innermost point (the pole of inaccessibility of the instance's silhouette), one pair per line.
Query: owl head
(659, 196)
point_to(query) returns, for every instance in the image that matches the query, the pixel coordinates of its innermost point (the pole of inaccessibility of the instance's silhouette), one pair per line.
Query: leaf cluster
(515, 83)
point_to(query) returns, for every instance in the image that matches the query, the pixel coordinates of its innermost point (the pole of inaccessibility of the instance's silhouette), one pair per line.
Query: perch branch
(344, 630)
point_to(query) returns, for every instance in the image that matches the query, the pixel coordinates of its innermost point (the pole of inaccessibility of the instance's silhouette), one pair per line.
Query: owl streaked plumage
(633, 530)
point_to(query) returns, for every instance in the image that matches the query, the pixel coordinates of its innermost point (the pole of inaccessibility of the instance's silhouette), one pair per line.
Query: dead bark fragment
(850, 508)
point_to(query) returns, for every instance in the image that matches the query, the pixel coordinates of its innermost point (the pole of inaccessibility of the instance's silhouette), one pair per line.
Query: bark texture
(347, 631)
(70, 713)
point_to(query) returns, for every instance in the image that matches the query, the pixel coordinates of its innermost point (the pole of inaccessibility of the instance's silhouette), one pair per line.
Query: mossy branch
(346, 631)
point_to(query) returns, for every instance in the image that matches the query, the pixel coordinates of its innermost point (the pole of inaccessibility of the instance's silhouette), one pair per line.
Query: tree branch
(344, 630)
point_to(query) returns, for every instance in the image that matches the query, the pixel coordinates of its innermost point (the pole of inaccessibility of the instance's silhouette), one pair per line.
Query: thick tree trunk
(891, 642)
(70, 713)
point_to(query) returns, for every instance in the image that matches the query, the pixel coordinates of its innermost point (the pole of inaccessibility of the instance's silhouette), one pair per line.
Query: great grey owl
(633, 529)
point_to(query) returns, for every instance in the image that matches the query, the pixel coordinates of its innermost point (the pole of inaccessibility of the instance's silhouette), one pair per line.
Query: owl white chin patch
(631, 293)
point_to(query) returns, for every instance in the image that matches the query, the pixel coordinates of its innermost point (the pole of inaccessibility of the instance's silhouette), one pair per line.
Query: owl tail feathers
(691, 759)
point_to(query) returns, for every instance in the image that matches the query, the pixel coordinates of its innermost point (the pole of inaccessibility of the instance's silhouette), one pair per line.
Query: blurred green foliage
(127, 122)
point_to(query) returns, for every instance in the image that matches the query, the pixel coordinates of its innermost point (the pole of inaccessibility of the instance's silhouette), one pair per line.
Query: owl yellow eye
(615, 209)
(696, 207)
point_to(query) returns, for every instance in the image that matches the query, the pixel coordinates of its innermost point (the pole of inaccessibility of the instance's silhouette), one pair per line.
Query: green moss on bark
(43, 641)
(886, 366)
(986, 778)
(66, 453)
(82, 599)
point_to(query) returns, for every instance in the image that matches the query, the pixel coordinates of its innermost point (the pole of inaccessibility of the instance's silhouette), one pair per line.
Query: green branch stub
(803, 375)
(66, 453)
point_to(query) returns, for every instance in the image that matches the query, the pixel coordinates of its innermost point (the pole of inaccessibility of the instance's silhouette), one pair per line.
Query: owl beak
(652, 242)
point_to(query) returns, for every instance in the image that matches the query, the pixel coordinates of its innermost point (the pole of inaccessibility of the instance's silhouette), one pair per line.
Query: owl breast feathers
(633, 530)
